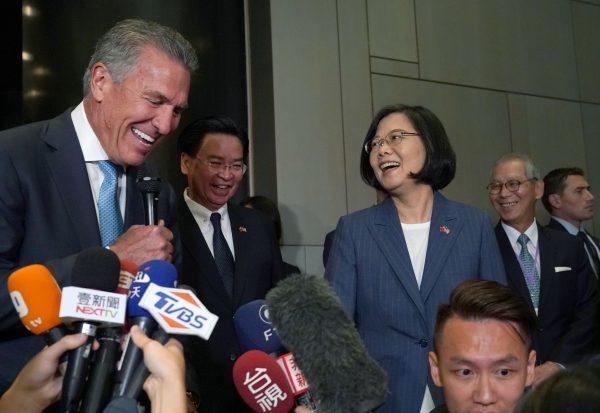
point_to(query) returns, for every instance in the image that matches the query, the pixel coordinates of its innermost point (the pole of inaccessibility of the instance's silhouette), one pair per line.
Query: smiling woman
(394, 263)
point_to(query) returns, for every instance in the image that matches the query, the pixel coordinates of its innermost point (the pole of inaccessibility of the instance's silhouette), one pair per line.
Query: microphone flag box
(178, 311)
(292, 373)
(106, 308)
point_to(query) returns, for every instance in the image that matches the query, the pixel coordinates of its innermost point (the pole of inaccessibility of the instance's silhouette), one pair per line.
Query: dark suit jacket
(568, 305)
(327, 246)
(47, 215)
(554, 224)
(257, 270)
(370, 269)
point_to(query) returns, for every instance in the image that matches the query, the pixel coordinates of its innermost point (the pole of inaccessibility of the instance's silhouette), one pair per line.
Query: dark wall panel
(60, 36)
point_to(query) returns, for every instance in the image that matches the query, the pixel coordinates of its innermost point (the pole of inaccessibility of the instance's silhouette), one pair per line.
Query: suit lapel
(193, 241)
(388, 235)
(67, 168)
(443, 232)
(240, 244)
(515, 276)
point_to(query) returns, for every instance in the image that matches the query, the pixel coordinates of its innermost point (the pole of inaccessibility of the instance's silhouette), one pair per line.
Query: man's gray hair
(120, 47)
(531, 170)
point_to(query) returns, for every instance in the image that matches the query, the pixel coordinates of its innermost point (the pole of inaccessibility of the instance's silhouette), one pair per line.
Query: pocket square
(561, 269)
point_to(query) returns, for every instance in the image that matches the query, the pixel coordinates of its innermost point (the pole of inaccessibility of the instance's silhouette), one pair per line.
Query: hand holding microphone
(38, 384)
(166, 384)
(89, 305)
(142, 243)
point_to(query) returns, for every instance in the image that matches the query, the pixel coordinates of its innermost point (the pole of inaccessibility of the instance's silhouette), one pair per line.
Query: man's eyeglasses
(512, 185)
(237, 168)
(392, 139)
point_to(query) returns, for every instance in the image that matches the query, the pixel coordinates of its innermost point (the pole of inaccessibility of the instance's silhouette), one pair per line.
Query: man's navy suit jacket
(370, 269)
(568, 307)
(47, 216)
(257, 270)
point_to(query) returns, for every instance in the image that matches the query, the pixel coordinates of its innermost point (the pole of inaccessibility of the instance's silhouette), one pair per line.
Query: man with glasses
(230, 253)
(547, 268)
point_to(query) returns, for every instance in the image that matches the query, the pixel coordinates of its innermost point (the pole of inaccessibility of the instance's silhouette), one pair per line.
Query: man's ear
(100, 81)
(435, 369)
(539, 188)
(530, 368)
(184, 163)
(555, 201)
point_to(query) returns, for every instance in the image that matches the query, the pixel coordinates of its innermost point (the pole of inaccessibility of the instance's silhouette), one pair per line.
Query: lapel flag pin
(445, 229)
(242, 229)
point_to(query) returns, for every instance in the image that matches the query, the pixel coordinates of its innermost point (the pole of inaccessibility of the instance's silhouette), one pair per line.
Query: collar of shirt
(93, 152)
(531, 232)
(202, 215)
(571, 229)
(89, 142)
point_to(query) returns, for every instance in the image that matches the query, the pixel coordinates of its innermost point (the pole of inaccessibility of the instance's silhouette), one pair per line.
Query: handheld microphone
(149, 186)
(88, 305)
(158, 272)
(100, 382)
(260, 382)
(36, 297)
(254, 329)
(126, 276)
(312, 324)
(255, 332)
(178, 311)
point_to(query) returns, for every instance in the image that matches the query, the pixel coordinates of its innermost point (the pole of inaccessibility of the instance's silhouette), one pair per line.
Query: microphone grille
(148, 181)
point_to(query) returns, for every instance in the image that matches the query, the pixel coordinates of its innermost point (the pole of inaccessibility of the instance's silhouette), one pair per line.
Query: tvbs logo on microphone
(178, 311)
(85, 304)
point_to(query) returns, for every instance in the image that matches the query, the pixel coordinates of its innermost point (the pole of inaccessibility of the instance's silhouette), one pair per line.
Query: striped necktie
(591, 251)
(528, 265)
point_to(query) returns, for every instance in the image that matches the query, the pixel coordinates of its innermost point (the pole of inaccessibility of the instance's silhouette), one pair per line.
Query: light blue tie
(109, 214)
(529, 270)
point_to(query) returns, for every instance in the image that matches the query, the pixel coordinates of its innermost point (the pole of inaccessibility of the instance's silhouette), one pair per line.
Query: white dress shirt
(202, 215)
(92, 153)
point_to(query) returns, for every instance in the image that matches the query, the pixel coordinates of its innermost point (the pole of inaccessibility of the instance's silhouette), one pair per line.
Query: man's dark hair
(268, 207)
(479, 300)
(440, 159)
(555, 182)
(191, 138)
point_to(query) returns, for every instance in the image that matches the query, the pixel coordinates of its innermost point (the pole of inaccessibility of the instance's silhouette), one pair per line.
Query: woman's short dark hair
(191, 137)
(440, 159)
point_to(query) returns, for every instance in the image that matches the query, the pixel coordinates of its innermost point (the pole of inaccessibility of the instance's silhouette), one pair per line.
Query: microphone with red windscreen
(36, 297)
(261, 383)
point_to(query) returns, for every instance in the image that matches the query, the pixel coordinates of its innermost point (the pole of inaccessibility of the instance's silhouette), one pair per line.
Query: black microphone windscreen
(312, 324)
(148, 180)
(96, 268)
